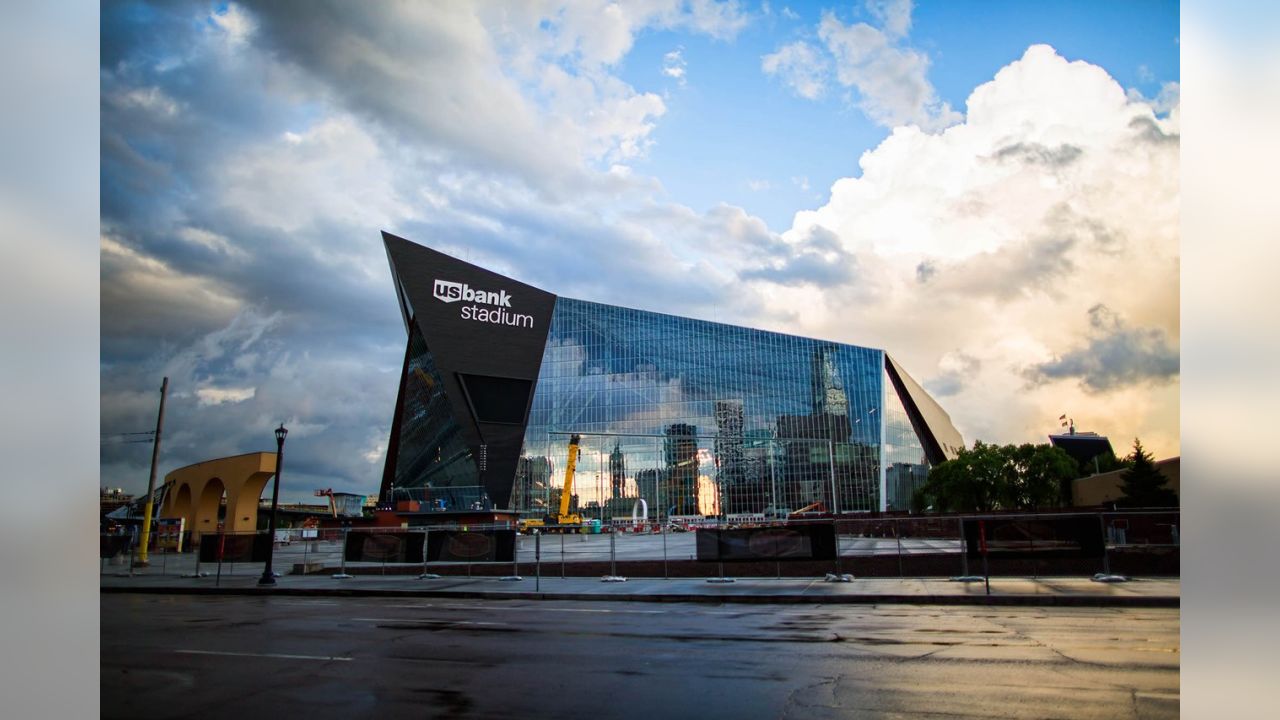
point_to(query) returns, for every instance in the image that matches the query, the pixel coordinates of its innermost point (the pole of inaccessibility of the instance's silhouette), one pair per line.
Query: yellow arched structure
(195, 492)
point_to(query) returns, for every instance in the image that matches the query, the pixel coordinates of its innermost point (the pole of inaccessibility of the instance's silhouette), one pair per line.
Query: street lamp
(269, 577)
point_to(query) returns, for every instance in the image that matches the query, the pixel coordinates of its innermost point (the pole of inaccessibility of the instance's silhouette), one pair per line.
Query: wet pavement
(1074, 591)
(166, 656)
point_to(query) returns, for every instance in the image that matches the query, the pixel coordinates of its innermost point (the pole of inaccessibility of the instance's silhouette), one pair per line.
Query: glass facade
(696, 417)
(905, 466)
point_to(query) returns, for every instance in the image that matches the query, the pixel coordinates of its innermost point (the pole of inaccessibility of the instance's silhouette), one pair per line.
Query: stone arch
(208, 503)
(183, 505)
(196, 492)
(242, 505)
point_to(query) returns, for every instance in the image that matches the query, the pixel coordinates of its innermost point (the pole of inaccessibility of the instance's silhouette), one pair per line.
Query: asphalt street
(171, 656)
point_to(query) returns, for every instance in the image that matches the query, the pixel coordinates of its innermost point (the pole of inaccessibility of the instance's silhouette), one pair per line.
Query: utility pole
(151, 482)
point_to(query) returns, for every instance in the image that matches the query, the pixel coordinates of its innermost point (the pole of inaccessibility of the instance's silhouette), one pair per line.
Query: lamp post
(268, 577)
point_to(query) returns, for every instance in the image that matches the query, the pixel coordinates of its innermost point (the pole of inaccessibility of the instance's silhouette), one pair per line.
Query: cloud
(818, 260)
(889, 76)
(1035, 153)
(800, 66)
(503, 134)
(993, 239)
(894, 15)
(234, 21)
(673, 65)
(218, 396)
(890, 79)
(1114, 355)
(957, 370)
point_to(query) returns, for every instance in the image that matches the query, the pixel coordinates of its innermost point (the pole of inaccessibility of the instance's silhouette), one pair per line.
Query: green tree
(997, 477)
(1143, 484)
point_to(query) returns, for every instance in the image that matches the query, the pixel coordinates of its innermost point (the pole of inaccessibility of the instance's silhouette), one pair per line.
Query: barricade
(1138, 542)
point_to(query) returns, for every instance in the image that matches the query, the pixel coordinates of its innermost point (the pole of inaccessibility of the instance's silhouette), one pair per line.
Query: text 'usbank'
(449, 291)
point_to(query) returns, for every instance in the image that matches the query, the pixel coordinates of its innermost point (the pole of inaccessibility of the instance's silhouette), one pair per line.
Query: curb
(1130, 601)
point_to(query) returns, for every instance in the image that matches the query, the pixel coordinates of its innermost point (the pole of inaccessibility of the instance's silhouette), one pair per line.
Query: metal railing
(1029, 544)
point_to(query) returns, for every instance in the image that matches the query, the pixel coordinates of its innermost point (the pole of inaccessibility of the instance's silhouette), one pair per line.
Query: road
(245, 657)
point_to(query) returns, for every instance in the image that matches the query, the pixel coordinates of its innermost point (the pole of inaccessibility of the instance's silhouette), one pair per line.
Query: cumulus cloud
(888, 75)
(890, 79)
(991, 241)
(1113, 355)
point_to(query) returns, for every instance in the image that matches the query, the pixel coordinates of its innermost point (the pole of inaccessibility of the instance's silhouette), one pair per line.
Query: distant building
(1084, 447)
(1105, 488)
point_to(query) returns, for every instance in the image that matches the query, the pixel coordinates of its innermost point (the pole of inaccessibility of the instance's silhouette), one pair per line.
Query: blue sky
(937, 180)
(729, 124)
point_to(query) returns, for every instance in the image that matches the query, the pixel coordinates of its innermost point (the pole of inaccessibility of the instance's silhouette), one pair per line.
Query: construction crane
(563, 520)
(328, 492)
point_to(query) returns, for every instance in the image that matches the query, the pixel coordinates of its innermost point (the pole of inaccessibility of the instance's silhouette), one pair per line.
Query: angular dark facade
(691, 416)
(470, 367)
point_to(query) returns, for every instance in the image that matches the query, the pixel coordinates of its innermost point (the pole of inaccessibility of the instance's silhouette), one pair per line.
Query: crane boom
(568, 476)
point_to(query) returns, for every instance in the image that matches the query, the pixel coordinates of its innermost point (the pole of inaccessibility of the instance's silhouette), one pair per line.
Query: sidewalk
(1074, 591)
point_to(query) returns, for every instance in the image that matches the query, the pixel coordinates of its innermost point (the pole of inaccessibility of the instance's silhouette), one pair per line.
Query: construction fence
(1144, 543)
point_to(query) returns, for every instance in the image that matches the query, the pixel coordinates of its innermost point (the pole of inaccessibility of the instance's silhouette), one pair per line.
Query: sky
(989, 191)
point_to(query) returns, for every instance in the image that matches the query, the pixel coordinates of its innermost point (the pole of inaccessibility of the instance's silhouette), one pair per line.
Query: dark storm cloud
(253, 325)
(263, 302)
(1115, 355)
(424, 72)
(1037, 154)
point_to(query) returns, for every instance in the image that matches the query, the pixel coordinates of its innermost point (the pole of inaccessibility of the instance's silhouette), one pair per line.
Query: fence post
(342, 554)
(664, 574)
(222, 542)
(897, 535)
(964, 549)
(537, 560)
(561, 555)
(426, 554)
(982, 545)
(835, 528)
(831, 455)
(1106, 559)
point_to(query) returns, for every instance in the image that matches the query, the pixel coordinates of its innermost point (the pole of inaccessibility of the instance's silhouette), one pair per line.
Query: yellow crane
(562, 521)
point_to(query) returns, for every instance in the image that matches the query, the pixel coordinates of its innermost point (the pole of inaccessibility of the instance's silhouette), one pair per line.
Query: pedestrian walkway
(1049, 591)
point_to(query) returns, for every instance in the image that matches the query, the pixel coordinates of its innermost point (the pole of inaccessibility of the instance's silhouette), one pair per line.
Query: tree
(1143, 484)
(997, 477)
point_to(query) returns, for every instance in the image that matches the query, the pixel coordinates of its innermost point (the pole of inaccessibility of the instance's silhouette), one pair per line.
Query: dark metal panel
(475, 321)
(393, 443)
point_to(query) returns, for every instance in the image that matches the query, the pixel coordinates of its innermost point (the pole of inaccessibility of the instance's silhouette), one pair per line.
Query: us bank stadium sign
(498, 301)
